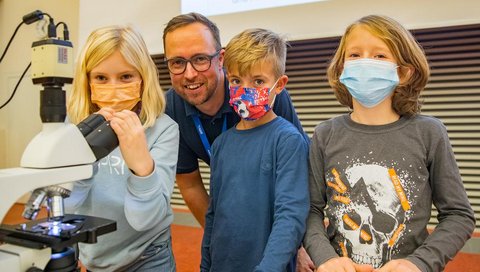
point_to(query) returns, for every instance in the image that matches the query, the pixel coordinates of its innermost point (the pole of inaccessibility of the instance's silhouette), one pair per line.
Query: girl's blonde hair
(102, 43)
(407, 53)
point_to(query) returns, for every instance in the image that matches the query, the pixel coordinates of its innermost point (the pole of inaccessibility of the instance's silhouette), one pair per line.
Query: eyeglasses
(200, 63)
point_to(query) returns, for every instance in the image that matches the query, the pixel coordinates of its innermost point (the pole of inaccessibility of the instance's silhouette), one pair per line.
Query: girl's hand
(343, 264)
(106, 112)
(133, 142)
(399, 265)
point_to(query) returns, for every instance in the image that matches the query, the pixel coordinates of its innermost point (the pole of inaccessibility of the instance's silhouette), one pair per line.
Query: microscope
(60, 153)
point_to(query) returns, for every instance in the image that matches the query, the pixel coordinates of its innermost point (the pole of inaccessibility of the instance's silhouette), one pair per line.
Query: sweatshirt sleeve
(78, 195)
(148, 198)
(316, 240)
(455, 215)
(79, 192)
(290, 206)
(206, 260)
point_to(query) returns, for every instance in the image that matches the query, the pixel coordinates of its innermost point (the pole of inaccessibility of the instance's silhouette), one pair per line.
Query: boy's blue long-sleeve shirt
(259, 199)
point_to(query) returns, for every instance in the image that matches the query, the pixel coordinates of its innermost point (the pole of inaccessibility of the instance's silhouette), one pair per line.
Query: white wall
(321, 19)
(20, 120)
(149, 16)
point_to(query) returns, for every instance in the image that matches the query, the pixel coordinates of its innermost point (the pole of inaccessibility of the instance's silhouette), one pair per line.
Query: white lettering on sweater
(115, 164)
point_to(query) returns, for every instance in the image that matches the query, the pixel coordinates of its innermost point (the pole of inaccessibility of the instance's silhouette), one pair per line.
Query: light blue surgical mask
(369, 81)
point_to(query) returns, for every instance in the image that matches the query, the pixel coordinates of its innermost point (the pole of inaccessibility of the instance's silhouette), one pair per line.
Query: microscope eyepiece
(99, 135)
(90, 123)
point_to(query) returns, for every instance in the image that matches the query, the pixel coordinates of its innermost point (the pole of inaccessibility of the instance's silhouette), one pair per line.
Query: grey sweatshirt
(376, 186)
(140, 205)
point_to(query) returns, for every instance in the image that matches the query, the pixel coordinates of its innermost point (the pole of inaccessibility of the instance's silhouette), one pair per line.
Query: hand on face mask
(106, 112)
(370, 81)
(116, 96)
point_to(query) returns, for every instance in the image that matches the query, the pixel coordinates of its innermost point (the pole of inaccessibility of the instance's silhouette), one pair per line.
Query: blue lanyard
(203, 136)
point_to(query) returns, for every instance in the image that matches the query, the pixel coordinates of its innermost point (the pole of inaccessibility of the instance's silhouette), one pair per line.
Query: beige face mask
(116, 96)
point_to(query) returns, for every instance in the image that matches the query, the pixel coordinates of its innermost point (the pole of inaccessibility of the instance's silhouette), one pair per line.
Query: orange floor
(186, 247)
(187, 240)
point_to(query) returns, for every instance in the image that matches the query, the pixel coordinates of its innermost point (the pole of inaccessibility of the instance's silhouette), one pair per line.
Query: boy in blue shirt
(259, 184)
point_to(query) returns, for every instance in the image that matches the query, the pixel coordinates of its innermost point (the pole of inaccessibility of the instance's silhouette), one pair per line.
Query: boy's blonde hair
(254, 46)
(102, 43)
(407, 53)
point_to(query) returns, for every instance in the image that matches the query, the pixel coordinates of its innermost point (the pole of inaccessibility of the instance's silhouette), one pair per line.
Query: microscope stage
(59, 234)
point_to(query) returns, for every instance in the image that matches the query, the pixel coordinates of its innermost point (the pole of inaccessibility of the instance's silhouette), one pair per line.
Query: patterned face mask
(116, 96)
(251, 103)
(370, 81)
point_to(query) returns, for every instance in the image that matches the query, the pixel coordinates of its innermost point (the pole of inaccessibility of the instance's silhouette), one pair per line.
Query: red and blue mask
(250, 103)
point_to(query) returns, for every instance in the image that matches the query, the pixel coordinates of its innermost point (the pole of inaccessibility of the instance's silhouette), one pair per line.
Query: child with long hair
(375, 172)
(116, 77)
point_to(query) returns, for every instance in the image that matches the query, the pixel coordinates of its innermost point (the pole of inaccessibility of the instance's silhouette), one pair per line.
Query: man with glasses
(199, 101)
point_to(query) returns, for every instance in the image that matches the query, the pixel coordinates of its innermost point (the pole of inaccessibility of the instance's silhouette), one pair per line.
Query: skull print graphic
(370, 209)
